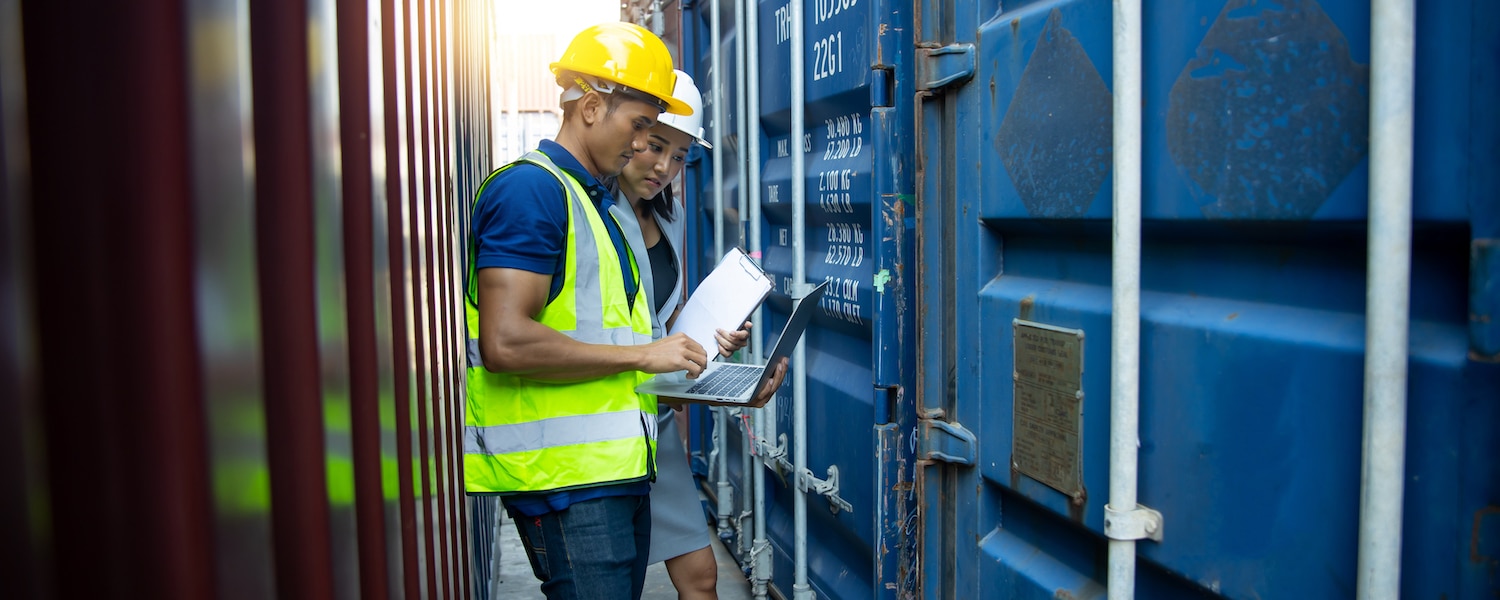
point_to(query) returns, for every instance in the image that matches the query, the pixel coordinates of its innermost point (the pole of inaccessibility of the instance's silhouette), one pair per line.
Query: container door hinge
(1129, 525)
(947, 442)
(882, 87)
(945, 66)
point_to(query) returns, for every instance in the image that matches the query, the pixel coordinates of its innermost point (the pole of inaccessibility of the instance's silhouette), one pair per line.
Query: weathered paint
(859, 185)
(1252, 302)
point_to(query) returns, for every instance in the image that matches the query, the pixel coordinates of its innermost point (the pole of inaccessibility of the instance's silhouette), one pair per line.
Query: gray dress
(678, 525)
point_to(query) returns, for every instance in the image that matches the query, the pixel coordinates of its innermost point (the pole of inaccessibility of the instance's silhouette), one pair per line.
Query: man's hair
(611, 103)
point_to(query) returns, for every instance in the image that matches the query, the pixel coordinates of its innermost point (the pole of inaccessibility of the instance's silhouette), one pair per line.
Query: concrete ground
(517, 582)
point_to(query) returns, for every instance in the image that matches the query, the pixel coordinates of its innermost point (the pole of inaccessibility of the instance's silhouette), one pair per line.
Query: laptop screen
(796, 324)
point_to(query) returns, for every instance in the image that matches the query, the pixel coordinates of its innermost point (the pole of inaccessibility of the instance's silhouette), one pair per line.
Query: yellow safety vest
(525, 435)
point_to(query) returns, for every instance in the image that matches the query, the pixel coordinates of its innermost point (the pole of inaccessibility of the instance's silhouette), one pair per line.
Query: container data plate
(1048, 374)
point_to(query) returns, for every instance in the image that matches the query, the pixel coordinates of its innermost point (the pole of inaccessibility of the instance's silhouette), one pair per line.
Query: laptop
(733, 383)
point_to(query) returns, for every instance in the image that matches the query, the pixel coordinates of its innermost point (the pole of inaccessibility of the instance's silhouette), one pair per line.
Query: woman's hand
(732, 341)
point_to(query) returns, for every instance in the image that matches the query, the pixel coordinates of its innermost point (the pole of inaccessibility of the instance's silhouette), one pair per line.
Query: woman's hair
(662, 203)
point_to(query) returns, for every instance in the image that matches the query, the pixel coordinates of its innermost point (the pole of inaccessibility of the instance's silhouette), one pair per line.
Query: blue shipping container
(958, 177)
(858, 227)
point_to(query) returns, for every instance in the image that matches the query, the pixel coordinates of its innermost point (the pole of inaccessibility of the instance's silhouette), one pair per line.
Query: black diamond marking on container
(1055, 138)
(1272, 114)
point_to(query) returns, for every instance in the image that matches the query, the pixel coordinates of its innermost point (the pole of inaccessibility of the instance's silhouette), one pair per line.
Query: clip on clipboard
(723, 300)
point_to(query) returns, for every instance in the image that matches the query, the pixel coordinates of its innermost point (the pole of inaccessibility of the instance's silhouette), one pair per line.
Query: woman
(679, 532)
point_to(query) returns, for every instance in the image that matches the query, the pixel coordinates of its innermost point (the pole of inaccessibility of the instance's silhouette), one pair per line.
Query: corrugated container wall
(230, 233)
(958, 168)
(855, 233)
(1255, 145)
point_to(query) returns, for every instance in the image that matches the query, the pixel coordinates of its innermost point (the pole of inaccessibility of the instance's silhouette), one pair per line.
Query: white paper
(724, 300)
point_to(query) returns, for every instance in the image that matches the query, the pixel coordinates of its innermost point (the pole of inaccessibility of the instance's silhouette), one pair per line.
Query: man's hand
(676, 352)
(768, 390)
(732, 341)
(512, 341)
(762, 396)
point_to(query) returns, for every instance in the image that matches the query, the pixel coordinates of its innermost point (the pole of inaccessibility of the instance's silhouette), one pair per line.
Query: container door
(1255, 156)
(857, 236)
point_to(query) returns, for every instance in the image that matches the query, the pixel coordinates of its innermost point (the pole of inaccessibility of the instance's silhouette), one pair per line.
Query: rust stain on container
(1077, 504)
(1475, 554)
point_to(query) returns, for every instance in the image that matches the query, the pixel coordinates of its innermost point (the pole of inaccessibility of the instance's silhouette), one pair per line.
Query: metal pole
(760, 569)
(725, 495)
(1387, 298)
(715, 93)
(800, 588)
(1125, 327)
(742, 162)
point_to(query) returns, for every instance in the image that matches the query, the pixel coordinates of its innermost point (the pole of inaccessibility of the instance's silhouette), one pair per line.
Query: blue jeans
(595, 549)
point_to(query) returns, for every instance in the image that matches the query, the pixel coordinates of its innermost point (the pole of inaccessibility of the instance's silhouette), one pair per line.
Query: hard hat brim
(673, 105)
(697, 137)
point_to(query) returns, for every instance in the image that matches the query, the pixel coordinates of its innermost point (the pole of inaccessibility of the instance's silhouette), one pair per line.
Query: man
(560, 332)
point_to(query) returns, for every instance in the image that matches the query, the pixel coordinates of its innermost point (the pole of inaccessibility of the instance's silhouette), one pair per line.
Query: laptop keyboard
(727, 381)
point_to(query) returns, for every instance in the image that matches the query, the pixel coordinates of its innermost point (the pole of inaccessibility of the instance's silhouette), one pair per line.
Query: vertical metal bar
(724, 495)
(329, 301)
(752, 144)
(741, 163)
(417, 190)
(228, 314)
(359, 273)
(432, 429)
(1388, 297)
(452, 374)
(741, 160)
(142, 473)
(715, 92)
(436, 277)
(1125, 325)
(395, 144)
(22, 489)
(285, 245)
(800, 588)
(760, 574)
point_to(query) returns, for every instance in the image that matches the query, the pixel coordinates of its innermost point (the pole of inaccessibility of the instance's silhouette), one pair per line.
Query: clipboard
(723, 300)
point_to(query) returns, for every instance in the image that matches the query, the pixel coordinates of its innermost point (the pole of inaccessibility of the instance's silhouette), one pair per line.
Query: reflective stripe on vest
(559, 431)
(526, 435)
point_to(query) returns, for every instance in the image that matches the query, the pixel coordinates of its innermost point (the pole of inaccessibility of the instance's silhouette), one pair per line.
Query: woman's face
(650, 170)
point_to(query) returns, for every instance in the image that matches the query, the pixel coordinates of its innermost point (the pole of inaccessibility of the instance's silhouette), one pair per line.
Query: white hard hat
(689, 124)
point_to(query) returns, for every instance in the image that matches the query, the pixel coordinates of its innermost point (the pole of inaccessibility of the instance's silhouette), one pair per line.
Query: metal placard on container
(1048, 372)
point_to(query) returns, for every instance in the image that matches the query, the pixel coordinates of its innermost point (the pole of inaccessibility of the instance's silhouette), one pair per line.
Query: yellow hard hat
(624, 54)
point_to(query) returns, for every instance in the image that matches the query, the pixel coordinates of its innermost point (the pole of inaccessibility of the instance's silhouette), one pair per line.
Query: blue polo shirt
(521, 222)
(521, 219)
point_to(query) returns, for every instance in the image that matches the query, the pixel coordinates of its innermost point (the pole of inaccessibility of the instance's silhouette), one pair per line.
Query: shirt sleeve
(520, 221)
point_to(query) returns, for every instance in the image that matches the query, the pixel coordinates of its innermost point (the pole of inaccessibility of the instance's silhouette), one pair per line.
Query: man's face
(659, 163)
(621, 134)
